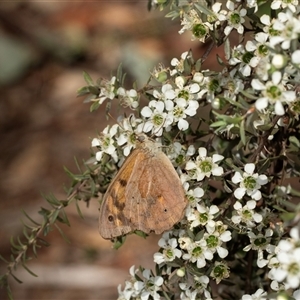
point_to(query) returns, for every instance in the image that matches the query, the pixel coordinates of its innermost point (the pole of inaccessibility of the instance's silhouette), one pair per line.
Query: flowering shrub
(233, 162)
(241, 228)
(240, 236)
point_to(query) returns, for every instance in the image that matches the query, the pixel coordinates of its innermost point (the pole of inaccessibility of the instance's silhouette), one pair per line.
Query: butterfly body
(145, 195)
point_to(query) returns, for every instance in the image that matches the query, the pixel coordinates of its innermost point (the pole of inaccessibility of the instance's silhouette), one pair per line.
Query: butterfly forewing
(146, 194)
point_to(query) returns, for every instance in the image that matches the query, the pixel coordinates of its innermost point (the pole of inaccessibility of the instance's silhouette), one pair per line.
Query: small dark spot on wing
(119, 205)
(123, 182)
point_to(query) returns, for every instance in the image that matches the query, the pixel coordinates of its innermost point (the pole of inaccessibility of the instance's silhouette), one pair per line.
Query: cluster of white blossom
(259, 83)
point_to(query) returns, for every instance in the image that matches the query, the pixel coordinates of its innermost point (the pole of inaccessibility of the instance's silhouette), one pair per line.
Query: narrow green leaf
(43, 242)
(227, 49)
(64, 218)
(90, 98)
(26, 233)
(44, 212)
(62, 234)
(218, 124)
(54, 216)
(34, 246)
(87, 78)
(242, 132)
(173, 15)
(9, 293)
(94, 90)
(118, 242)
(94, 106)
(2, 258)
(46, 230)
(295, 141)
(12, 242)
(29, 218)
(15, 278)
(79, 210)
(119, 73)
(20, 243)
(83, 91)
(203, 8)
(28, 270)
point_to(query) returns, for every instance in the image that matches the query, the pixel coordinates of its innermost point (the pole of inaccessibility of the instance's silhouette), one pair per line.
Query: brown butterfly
(145, 195)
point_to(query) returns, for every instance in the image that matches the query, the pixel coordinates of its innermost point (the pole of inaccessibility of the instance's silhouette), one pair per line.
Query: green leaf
(173, 15)
(203, 8)
(90, 98)
(294, 141)
(29, 218)
(83, 91)
(88, 79)
(79, 210)
(94, 106)
(94, 90)
(119, 241)
(62, 234)
(15, 278)
(119, 76)
(28, 270)
(26, 233)
(63, 218)
(242, 132)
(198, 65)
(43, 242)
(12, 242)
(44, 212)
(2, 258)
(46, 230)
(54, 216)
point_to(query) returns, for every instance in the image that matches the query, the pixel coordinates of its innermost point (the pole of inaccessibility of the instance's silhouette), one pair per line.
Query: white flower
(129, 128)
(249, 183)
(235, 18)
(178, 64)
(246, 214)
(179, 110)
(191, 21)
(128, 98)
(260, 294)
(203, 216)
(106, 143)
(167, 93)
(215, 239)
(291, 4)
(107, 90)
(259, 241)
(156, 117)
(220, 271)
(273, 92)
(194, 195)
(204, 166)
(195, 291)
(288, 28)
(288, 267)
(151, 286)
(243, 59)
(198, 252)
(169, 252)
(258, 47)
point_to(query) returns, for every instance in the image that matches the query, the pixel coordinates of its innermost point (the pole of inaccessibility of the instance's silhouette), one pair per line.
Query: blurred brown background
(44, 47)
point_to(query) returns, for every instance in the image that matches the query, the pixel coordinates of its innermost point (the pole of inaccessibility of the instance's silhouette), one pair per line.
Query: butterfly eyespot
(110, 218)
